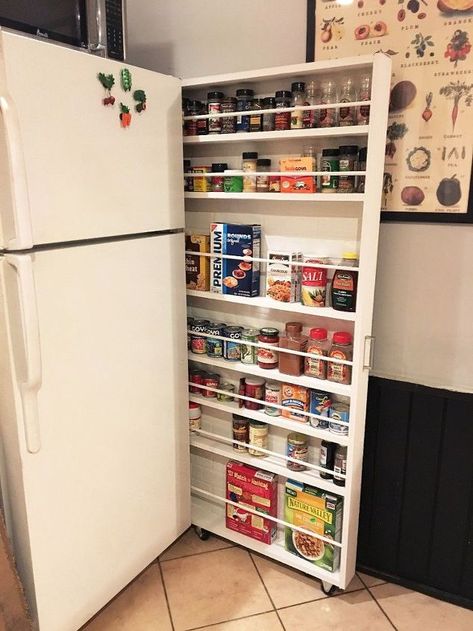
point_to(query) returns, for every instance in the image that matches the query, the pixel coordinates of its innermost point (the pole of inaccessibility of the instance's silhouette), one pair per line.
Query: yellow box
(198, 267)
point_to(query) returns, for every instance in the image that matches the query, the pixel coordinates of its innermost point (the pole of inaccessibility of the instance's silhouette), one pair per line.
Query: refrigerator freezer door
(68, 169)
(97, 460)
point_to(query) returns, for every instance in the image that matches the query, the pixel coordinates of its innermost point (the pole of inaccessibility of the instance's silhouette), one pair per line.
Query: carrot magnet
(108, 81)
(125, 116)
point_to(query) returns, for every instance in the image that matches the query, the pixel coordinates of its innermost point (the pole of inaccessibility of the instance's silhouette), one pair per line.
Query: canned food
(228, 387)
(190, 320)
(258, 438)
(339, 412)
(248, 352)
(298, 448)
(214, 345)
(272, 394)
(254, 388)
(240, 428)
(320, 403)
(195, 416)
(211, 380)
(314, 283)
(197, 376)
(198, 343)
(232, 350)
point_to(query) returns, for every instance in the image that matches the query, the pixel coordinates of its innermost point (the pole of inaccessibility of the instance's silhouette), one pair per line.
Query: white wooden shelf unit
(319, 224)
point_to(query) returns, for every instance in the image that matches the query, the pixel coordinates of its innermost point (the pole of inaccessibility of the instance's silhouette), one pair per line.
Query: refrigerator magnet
(107, 81)
(125, 79)
(140, 97)
(125, 116)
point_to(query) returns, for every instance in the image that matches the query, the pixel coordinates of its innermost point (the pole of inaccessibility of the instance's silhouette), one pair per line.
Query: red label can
(211, 381)
(254, 388)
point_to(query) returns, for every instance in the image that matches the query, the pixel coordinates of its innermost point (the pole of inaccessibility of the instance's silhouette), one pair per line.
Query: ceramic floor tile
(140, 607)
(262, 622)
(410, 611)
(290, 587)
(189, 543)
(356, 611)
(370, 581)
(215, 587)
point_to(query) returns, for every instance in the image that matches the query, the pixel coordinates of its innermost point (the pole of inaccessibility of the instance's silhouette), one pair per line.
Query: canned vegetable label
(320, 403)
(232, 350)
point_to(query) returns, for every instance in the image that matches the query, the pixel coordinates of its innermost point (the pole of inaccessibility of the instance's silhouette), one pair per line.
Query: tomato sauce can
(320, 403)
(211, 380)
(197, 376)
(254, 388)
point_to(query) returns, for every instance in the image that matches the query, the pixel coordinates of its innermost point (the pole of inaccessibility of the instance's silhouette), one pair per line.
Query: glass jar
(330, 161)
(194, 108)
(328, 116)
(269, 103)
(248, 351)
(240, 429)
(282, 120)
(256, 120)
(188, 181)
(272, 394)
(244, 103)
(310, 118)
(293, 340)
(341, 348)
(262, 181)
(229, 124)
(297, 448)
(258, 438)
(298, 99)
(344, 284)
(214, 106)
(254, 388)
(365, 95)
(326, 458)
(361, 166)
(267, 358)
(347, 114)
(233, 181)
(340, 465)
(185, 112)
(217, 180)
(318, 345)
(248, 165)
(348, 162)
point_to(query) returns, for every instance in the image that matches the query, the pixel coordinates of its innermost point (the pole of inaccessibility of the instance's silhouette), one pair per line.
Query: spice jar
(248, 165)
(254, 388)
(244, 104)
(348, 162)
(211, 380)
(365, 95)
(341, 348)
(272, 394)
(231, 349)
(248, 351)
(344, 284)
(310, 117)
(326, 458)
(340, 465)
(328, 116)
(318, 345)
(329, 162)
(262, 181)
(214, 344)
(229, 123)
(217, 180)
(233, 181)
(195, 416)
(214, 106)
(282, 120)
(194, 108)
(360, 184)
(314, 283)
(298, 98)
(201, 184)
(228, 387)
(297, 448)
(256, 122)
(188, 181)
(267, 358)
(347, 114)
(293, 340)
(241, 432)
(258, 438)
(198, 343)
(269, 103)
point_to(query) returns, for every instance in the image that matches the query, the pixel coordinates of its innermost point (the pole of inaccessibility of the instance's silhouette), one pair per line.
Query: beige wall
(424, 292)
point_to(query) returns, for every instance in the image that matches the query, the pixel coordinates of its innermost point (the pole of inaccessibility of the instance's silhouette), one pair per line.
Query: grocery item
(364, 95)
(340, 465)
(229, 388)
(327, 458)
(254, 388)
(347, 114)
(233, 181)
(283, 276)
(194, 108)
(293, 340)
(198, 343)
(258, 438)
(263, 165)
(360, 184)
(318, 511)
(267, 358)
(241, 429)
(214, 345)
(269, 103)
(294, 399)
(298, 448)
(256, 119)
(344, 284)
(339, 412)
(188, 181)
(197, 267)
(282, 120)
(298, 98)
(211, 380)
(201, 184)
(319, 403)
(314, 282)
(196, 376)
(348, 162)
(232, 349)
(248, 351)
(328, 116)
(216, 183)
(195, 416)
(318, 345)
(330, 162)
(274, 184)
(272, 394)
(229, 123)
(341, 348)
(190, 320)
(244, 103)
(310, 117)
(254, 489)
(214, 106)
(249, 161)
(296, 183)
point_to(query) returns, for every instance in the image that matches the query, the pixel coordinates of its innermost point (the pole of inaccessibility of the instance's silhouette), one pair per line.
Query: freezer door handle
(30, 377)
(22, 239)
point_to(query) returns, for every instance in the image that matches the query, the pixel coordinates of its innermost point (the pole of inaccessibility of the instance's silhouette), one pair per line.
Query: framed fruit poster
(428, 163)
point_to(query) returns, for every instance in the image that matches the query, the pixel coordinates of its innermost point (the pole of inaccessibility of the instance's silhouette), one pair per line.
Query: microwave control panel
(115, 29)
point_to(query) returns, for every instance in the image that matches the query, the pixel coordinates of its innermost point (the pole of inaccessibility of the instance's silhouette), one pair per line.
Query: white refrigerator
(93, 400)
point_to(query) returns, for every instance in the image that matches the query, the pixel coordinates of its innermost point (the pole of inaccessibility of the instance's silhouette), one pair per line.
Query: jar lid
(270, 331)
(296, 437)
(233, 328)
(298, 86)
(263, 162)
(341, 337)
(249, 155)
(283, 94)
(258, 424)
(318, 334)
(330, 152)
(273, 385)
(229, 99)
(349, 149)
(245, 92)
(219, 167)
(200, 322)
(214, 95)
(250, 332)
(254, 381)
(269, 102)
(294, 328)
(233, 172)
(352, 256)
(193, 406)
(362, 154)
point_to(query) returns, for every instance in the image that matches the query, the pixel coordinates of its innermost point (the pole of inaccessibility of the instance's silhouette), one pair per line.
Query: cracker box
(283, 277)
(294, 183)
(197, 267)
(256, 489)
(318, 511)
(233, 276)
(295, 398)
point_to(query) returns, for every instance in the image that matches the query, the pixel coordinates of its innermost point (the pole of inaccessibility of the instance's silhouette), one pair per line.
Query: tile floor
(214, 585)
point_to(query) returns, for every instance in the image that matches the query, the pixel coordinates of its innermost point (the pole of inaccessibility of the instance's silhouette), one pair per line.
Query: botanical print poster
(430, 132)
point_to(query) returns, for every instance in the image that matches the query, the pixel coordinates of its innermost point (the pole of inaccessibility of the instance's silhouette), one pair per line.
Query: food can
(231, 350)
(258, 438)
(339, 412)
(248, 352)
(241, 429)
(197, 376)
(211, 380)
(213, 344)
(314, 283)
(298, 448)
(320, 403)
(190, 320)
(195, 416)
(272, 394)
(228, 387)
(254, 388)
(198, 343)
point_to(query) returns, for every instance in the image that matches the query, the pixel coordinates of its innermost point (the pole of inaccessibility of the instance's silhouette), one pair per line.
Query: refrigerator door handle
(23, 237)
(30, 380)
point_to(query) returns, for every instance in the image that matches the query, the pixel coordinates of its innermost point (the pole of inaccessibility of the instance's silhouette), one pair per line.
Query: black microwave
(95, 25)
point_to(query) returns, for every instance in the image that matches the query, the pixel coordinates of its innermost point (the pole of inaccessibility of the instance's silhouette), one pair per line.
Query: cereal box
(295, 398)
(256, 489)
(294, 183)
(233, 276)
(197, 267)
(318, 511)
(283, 277)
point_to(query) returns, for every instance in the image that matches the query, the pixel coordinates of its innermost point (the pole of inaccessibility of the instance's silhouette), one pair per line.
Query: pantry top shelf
(281, 197)
(290, 134)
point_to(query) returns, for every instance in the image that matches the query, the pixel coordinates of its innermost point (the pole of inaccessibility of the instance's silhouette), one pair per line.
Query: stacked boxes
(197, 267)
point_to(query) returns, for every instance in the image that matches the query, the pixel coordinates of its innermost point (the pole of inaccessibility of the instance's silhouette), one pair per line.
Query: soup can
(272, 394)
(248, 352)
(320, 403)
(215, 345)
(211, 380)
(339, 412)
(229, 388)
(258, 438)
(241, 429)
(232, 350)
(197, 376)
(254, 388)
(298, 448)
(198, 343)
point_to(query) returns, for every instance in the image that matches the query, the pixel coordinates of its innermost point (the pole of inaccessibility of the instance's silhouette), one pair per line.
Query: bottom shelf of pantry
(210, 516)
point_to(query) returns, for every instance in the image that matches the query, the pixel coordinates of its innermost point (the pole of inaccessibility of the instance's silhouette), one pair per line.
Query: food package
(295, 183)
(197, 267)
(295, 398)
(283, 276)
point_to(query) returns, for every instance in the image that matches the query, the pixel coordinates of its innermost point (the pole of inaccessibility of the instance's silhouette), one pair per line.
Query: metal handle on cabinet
(96, 24)
(368, 354)
(30, 380)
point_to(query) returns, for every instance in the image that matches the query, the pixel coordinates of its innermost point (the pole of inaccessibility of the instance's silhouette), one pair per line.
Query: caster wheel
(201, 533)
(328, 590)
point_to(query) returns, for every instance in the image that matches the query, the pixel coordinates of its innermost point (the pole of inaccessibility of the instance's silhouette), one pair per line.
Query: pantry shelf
(272, 374)
(281, 197)
(262, 302)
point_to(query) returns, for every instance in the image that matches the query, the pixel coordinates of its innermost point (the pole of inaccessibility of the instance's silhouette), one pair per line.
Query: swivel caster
(328, 590)
(202, 533)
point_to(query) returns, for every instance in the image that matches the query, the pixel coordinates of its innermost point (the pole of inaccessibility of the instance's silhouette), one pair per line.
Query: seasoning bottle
(282, 120)
(314, 282)
(202, 123)
(195, 416)
(267, 358)
(269, 103)
(188, 181)
(328, 116)
(347, 114)
(214, 106)
(228, 104)
(318, 345)
(272, 394)
(310, 151)
(254, 388)
(360, 184)
(258, 438)
(241, 431)
(256, 119)
(330, 161)
(344, 284)
(365, 95)
(262, 181)
(217, 180)
(194, 108)
(293, 340)
(298, 99)
(310, 117)
(326, 458)
(244, 102)
(297, 448)
(340, 465)
(248, 351)
(348, 162)
(233, 181)
(248, 165)
(341, 348)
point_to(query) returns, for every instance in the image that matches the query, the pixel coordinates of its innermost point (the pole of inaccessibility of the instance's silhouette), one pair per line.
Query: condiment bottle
(330, 161)
(328, 116)
(188, 181)
(269, 103)
(217, 180)
(310, 117)
(194, 108)
(319, 345)
(341, 348)
(297, 448)
(347, 162)
(347, 115)
(298, 98)
(214, 106)
(267, 358)
(244, 102)
(254, 388)
(326, 458)
(248, 165)
(340, 465)
(365, 95)
(272, 394)
(256, 119)
(229, 104)
(293, 340)
(344, 284)
(360, 185)
(282, 120)
(262, 181)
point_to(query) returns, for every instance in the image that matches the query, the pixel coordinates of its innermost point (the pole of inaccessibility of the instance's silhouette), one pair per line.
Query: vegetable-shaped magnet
(125, 78)
(125, 116)
(108, 81)
(140, 96)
